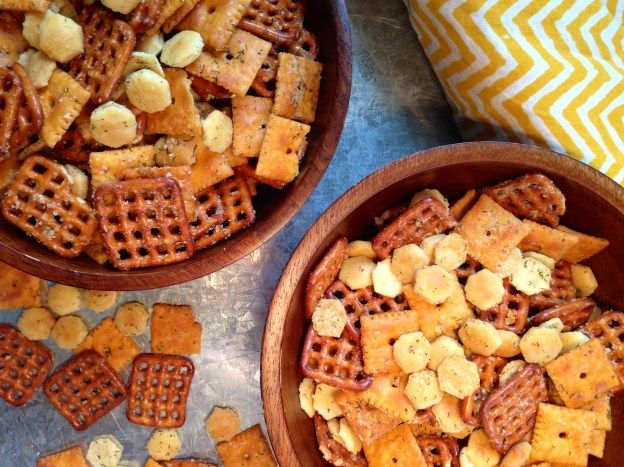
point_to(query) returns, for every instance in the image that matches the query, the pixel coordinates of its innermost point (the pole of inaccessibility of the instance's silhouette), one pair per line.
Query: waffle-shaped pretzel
(210, 212)
(158, 390)
(84, 389)
(305, 45)
(532, 196)
(324, 274)
(40, 202)
(208, 90)
(427, 217)
(72, 146)
(143, 223)
(572, 314)
(334, 452)
(23, 368)
(29, 118)
(264, 82)
(511, 314)
(470, 267)
(439, 451)
(609, 330)
(108, 44)
(362, 302)
(509, 412)
(10, 97)
(561, 288)
(239, 211)
(489, 370)
(145, 15)
(277, 21)
(334, 361)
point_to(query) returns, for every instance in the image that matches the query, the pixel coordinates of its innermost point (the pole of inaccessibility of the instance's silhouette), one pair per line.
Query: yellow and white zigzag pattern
(544, 72)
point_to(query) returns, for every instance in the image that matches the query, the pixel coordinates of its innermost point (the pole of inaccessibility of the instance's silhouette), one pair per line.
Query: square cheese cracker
(491, 232)
(250, 116)
(396, 448)
(551, 242)
(387, 393)
(236, 66)
(108, 166)
(18, 289)
(174, 330)
(248, 448)
(71, 457)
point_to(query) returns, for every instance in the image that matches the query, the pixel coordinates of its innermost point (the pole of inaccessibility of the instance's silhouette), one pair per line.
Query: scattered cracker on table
(297, 89)
(379, 332)
(236, 67)
(36, 323)
(116, 347)
(164, 443)
(72, 457)
(131, 318)
(174, 330)
(18, 289)
(562, 435)
(248, 448)
(582, 374)
(69, 331)
(397, 447)
(491, 232)
(222, 424)
(99, 300)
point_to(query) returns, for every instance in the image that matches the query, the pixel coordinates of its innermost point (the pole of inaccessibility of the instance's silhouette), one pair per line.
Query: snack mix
(136, 131)
(462, 334)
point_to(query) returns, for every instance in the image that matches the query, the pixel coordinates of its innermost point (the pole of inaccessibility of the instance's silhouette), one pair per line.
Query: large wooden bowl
(595, 205)
(328, 20)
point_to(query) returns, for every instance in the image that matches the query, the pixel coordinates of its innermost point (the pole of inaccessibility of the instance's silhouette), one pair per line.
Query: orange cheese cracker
(248, 448)
(250, 116)
(24, 5)
(107, 340)
(209, 168)
(551, 242)
(18, 289)
(174, 330)
(460, 207)
(71, 457)
(396, 448)
(587, 246)
(387, 393)
(379, 332)
(582, 374)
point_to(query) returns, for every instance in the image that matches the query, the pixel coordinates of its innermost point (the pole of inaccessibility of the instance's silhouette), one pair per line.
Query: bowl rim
(246, 241)
(390, 174)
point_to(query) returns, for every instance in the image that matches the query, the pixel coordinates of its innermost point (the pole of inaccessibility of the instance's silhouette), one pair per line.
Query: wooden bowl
(329, 21)
(595, 205)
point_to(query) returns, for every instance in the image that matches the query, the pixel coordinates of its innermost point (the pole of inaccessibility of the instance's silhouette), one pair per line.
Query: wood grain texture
(328, 20)
(595, 204)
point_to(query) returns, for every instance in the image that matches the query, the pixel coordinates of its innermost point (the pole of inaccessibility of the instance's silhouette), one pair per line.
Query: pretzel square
(561, 290)
(586, 247)
(24, 366)
(551, 242)
(278, 159)
(562, 435)
(84, 389)
(18, 289)
(145, 15)
(324, 274)
(158, 390)
(368, 422)
(609, 330)
(397, 447)
(29, 118)
(427, 217)
(10, 97)
(489, 371)
(491, 232)
(333, 451)
(62, 101)
(277, 21)
(106, 339)
(248, 448)
(379, 332)
(439, 451)
(108, 44)
(236, 67)
(334, 361)
(215, 20)
(511, 314)
(24, 5)
(387, 393)
(174, 330)
(572, 314)
(297, 87)
(582, 374)
(209, 169)
(107, 167)
(532, 196)
(250, 116)
(143, 223)
(239, 211)
(209, 212)
(181, 118)
(40, 202)
(181, 174)
(72, 457)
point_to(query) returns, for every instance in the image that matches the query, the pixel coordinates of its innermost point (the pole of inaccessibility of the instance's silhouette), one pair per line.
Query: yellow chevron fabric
(544, 72)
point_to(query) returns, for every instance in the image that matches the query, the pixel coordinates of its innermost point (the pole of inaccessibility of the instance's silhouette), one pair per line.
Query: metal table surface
(397, 107)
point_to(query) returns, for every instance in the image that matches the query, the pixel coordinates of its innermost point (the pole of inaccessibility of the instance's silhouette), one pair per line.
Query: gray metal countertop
(397, 107)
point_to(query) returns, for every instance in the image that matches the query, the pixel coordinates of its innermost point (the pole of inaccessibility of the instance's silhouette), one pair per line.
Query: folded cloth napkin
(543, 72)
